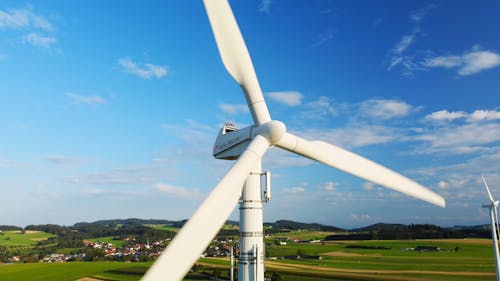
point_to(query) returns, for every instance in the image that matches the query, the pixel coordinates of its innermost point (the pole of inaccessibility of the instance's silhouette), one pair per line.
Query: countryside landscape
(382, 118)
(124, 250)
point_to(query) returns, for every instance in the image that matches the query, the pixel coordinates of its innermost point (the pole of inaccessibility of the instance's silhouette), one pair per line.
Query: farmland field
(459, 259)
(109, 239)
(18, 239)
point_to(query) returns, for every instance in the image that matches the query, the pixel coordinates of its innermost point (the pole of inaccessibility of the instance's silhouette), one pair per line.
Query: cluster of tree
(412, 231)
(281, 225)
(9, 227)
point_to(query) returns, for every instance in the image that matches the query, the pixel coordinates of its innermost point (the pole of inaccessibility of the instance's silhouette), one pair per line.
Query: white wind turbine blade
(357, 165)
(495, 206)
(235, 56)
(188, 245)
(488, 190)
(495, 210)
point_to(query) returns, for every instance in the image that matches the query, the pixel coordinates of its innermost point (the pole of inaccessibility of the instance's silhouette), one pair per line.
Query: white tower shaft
(251, 256)
(494, 237)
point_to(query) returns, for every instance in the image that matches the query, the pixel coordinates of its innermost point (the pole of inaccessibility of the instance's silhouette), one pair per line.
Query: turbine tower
(242, 182)
(493, 206)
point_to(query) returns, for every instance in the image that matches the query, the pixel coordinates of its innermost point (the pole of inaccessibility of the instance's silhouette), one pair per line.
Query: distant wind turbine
(493, 206)
(242, 183)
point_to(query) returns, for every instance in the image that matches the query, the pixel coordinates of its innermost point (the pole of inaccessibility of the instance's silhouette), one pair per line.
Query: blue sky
(109, 110)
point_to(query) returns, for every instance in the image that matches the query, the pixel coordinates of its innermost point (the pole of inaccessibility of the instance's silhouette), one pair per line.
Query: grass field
(18, 239)
(163, 227)
(461, 260)
(109, 239)
(56, 271)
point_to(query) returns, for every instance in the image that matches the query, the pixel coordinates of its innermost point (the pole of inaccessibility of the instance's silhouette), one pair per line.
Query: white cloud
(442, 184)
(319, 109)
(280, 158)
(289, 98)
(420, 14)
(478, 61)
(89, 100)
(24, 18)
(480, 115)
(294, 190)
(38, 40)
(62, 160)
(469, 63)
(399, 53)
(181, 192)
(134, 175)
(358, 135)
(468, 138)
(368, 185)
(385, 109)
(234, 109)
(476, 116)
(265, 6)
(359, 218)
(329, 186)
(443, 61)
(404, 43)
(445, 115)
(324, 37)
(146, 71)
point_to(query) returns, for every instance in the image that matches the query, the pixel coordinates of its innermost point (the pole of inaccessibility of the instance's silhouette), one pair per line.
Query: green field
(19, 239)
(109, 239)
(163, 227)
(462, 260)
(56, 271)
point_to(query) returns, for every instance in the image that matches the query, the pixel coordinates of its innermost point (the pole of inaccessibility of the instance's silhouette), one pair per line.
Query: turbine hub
(272, 130)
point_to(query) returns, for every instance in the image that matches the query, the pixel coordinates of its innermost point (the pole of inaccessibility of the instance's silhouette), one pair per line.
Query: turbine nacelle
(231, 141)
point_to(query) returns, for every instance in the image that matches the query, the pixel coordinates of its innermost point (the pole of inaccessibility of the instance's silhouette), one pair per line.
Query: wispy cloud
(418, 15)
(6, 164)
(368, 186)
(120, 176)
(145, 71)
(461, 139)
(22, 19)
(377, 22)
(180, 192)
(62, 160)
(279, 158)
(233, 109)
(360, 218)
(265, 6)
(32, 27)
(289, 98)
(469, 63)
(324, 37)
(357, 135)
(384, 109)
(40, 41)
(399, 53)
(319, 109)
(329, 186)
(445, 116)
(294, 190)
(89, 100)
(477, 115)
(459, 132)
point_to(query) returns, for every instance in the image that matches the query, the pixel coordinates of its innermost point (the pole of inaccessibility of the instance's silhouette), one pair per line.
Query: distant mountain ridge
(293, 225)
(277, 225)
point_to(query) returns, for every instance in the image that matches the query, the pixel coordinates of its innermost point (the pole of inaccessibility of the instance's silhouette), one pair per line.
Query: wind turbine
(242, 182)
(493, 206)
